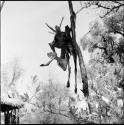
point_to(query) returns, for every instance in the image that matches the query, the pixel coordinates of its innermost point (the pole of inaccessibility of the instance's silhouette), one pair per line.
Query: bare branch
(35, 104)
(51, 33)
(50, 27)
(100, 5)
(87, 5)
(61, 22)
(118, 32)
(80, 10)
(57, 113)
(116, 8)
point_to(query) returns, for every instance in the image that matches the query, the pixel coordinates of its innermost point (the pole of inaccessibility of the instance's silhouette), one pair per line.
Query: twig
(50, 27)
(110, 9)
(35, 104)
(51, 33)
(104, 7)
(56, 113)
(34, 95)
(82, 7)
(80, 10)
(61, 22)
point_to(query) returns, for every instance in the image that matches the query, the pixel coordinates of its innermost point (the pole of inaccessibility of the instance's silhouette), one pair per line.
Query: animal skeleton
(63, 41)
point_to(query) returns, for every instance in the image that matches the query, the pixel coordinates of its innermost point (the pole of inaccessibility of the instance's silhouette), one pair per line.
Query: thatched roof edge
(12, 102)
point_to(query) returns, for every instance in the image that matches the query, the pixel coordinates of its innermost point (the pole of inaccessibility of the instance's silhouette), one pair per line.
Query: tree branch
(55, 113)
(80, 10)
(51, 33)
(119, 33)
(50, 27)
(100, 5)
(61, 22)
(109, 9)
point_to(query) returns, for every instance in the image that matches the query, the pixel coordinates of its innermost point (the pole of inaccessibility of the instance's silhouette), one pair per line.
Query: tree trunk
(78, 51)
(2, 5)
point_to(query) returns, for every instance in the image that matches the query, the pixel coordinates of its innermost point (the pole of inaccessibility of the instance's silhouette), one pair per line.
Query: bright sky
(25, 35)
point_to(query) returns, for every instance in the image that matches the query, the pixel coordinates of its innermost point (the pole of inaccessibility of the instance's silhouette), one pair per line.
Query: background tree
(107, 36)
(10, 74)
(105, 43)
(49, 102)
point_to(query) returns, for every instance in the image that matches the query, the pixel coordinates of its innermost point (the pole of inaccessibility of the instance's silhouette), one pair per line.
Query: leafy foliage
(107, 35)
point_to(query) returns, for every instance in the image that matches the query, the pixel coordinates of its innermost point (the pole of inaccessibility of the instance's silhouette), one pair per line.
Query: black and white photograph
(62, 62)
